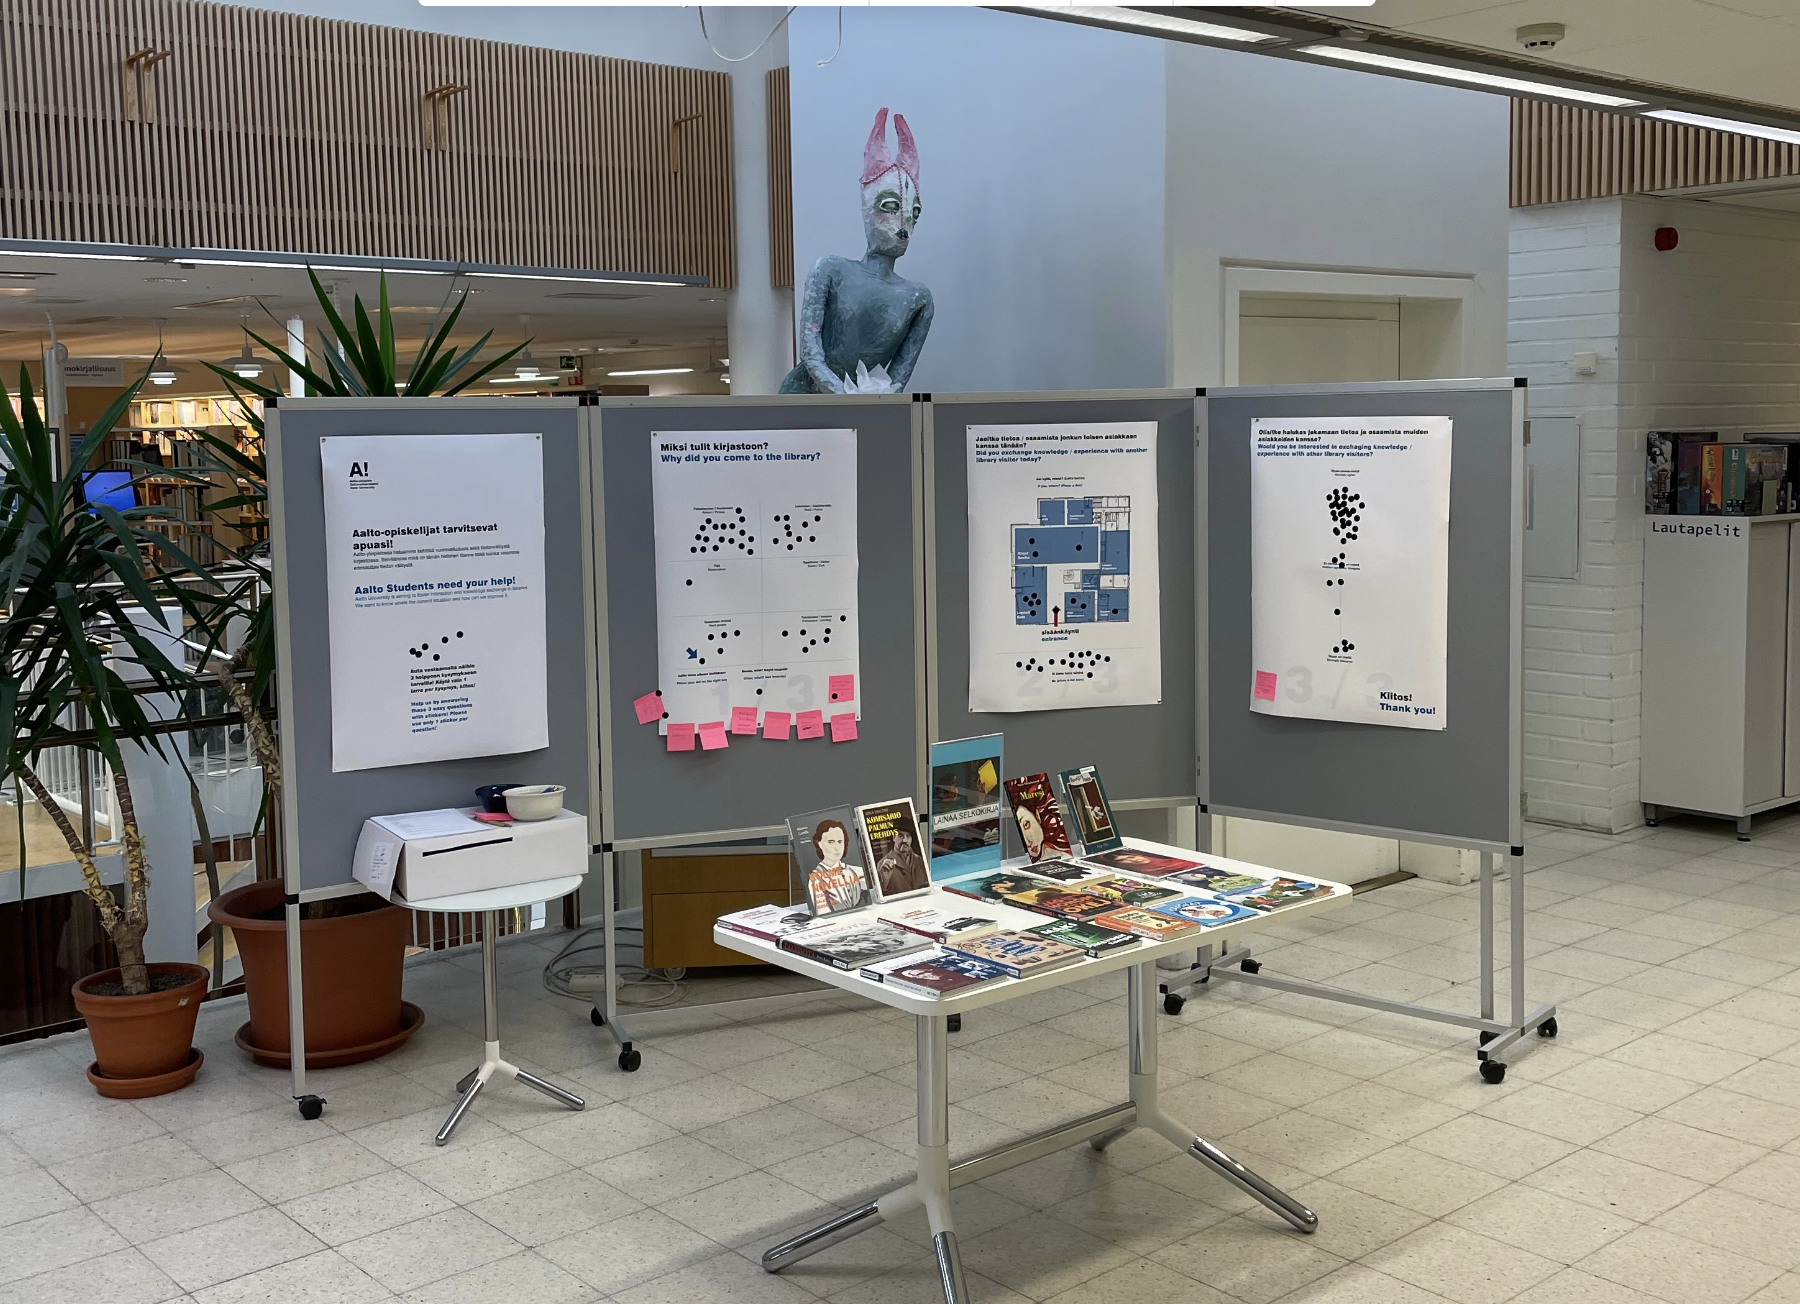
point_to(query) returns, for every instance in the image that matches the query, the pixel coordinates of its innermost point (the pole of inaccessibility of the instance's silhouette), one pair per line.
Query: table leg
(934, 1152)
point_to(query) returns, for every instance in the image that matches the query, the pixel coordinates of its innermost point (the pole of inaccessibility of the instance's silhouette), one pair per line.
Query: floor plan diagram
(1072, 566)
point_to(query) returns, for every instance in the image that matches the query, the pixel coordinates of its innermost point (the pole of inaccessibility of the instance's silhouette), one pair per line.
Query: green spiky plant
(71, 572)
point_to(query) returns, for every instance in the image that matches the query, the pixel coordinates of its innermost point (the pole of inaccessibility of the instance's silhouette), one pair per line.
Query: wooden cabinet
(686, 890)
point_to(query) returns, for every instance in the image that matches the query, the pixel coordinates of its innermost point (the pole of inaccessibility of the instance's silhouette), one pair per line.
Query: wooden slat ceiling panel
(288, 133)
(781, 180)
(1562, 153)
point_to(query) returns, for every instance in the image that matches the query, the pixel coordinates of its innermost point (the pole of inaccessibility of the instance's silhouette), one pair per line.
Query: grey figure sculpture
(861, 326)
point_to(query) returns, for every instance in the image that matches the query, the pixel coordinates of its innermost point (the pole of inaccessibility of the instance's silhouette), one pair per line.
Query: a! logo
(359, 470)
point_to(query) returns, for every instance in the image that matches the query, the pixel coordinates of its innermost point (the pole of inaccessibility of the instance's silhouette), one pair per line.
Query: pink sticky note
(812, 724)
(743, 720)
(843, 727)
(775, 725)
(648, 707)
(681, 737)
(712, 735)
(1265, 685)
(841, 687)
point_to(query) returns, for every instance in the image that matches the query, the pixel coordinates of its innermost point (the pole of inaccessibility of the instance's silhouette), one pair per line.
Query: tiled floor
(1652, 1152)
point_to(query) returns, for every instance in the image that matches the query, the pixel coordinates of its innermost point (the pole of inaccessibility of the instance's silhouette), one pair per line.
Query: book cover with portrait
(1085, 797)
(1038, 817)
(825, 864)
(897, 864)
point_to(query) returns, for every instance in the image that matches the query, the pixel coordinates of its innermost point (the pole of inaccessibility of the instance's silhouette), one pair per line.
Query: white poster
(1065, 603)
(756, 574)
(434, 567)
(1350, 568)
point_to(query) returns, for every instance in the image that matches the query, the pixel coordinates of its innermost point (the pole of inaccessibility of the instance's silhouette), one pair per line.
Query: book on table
(771, 923)
(852, 943)
(1220, 882)
(938, 925)
(890, 834)
(1279, 893)
(825, 863)
(1090, 937)
(1020, 954)
(1146, 864)
(965, 806)
(1208, 912)
(937, 975)
(1065, 871)
(1061, 901)
(994, 887)
(1085, 797)
(1038, 817)
(1130, 891)
(1147, 922)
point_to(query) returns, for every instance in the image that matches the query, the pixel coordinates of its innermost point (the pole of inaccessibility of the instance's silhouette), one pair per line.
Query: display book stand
(321, 811)
(1458, 787)
(936, 1175)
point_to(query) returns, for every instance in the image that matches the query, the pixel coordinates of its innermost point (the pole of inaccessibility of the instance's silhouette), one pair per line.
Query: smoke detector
(1540, 36)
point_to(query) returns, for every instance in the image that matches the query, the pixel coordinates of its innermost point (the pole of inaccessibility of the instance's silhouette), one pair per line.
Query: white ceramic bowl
(534, 801)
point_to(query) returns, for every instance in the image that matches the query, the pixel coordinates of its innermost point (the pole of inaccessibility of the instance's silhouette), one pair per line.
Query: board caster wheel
(629, 1060)
(311, 1107)
(1547, 1028)
(1486, 1037)
(1172, 1002)
(1493, 1072)
(1251, 966)
(596, 1018)
(953, 1023)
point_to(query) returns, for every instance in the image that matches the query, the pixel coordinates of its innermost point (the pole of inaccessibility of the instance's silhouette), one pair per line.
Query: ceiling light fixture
(1466, 77)
(46, 253)
(585, 280)
(1161, 24)
(1736, 126)
(654, 371)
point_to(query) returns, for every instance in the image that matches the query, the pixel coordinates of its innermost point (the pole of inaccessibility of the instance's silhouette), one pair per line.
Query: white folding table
(937, 1176)
(488, 904)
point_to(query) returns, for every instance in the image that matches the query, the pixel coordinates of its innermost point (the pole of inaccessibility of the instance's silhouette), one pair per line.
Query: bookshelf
(1721, 666)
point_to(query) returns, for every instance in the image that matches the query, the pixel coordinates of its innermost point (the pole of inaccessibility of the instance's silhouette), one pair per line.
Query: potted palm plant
(351, 948)
(75, 574)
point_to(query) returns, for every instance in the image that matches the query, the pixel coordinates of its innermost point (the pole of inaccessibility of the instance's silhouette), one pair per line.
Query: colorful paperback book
(1129, 891)
(965, 806)
(1038, 817)
(891, 838)
(1145, 923)
(938, 925)
(825, 864)
(937, 975)
(994, 887)
(1063, 902)
(1150, 864)
(1064, 871)
(1020, 954)
(1279, 892)
(1086, 798)
(771, 923)
(1220, 882)
(850, 944)
(1208, 912)
(1090, 937)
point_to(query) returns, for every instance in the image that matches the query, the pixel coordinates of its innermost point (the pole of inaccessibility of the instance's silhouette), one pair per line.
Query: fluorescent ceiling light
(45, 253)
(654, 371)
(585, 280)
(524, 380)
(1139, 20)
(1737, 127)
(1443, 72)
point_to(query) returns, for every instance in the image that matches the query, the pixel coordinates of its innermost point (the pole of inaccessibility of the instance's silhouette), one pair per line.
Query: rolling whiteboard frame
(1413, 774)
(322, 812)
(1145, 766)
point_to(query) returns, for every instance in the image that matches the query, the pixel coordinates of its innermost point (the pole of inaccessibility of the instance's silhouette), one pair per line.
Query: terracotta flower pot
(350, 966)
(139, 1038)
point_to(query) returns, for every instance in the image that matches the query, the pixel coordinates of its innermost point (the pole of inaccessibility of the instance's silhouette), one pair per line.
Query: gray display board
(652, 796)
(1146, 753)
(323, 812)
(1458, 786)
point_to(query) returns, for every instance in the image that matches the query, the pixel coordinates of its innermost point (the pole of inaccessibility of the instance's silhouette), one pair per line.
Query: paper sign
(377, 857)
(843, 727)
(743, 720)
(812, 724)
(712, 735)
(842, 687)
(681, 737)
(1265, 685)
(648, 708)
(775, 725)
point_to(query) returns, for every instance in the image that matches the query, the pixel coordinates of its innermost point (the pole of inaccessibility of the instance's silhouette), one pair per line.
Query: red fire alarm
(1667, 237)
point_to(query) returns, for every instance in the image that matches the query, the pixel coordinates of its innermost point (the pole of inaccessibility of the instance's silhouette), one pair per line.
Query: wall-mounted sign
(94, 373)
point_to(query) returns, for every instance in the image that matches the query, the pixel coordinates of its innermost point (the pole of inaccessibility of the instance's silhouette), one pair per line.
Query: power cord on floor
(560, 974)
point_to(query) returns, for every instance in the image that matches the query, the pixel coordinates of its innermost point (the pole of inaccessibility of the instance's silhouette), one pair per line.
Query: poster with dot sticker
(1065, 601)
(756, 571)
(1350, 569)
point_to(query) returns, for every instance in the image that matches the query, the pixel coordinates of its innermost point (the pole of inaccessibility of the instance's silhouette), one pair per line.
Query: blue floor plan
(1072, 566)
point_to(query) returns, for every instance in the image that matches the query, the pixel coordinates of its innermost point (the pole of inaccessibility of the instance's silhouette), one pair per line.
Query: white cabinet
(1721, 713)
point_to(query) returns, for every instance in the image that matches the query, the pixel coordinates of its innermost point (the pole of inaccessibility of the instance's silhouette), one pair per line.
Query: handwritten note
(648, 707)
(712, 735)
(843, 727)
(812, 724)
(1265, 685)
(841, 687)
(775, 726)
(681, 737)
(743, 720)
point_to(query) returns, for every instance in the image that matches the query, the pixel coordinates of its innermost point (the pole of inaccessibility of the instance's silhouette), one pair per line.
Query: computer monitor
(114, 488)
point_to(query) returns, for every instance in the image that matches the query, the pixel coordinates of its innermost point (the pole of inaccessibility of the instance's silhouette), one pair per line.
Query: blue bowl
(491, 799)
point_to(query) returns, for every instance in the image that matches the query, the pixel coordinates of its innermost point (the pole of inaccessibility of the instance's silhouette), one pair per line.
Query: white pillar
(759, 318)
(56, 403)
(296, 348)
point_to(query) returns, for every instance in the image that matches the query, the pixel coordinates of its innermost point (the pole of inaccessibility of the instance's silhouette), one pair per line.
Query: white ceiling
(1741, 49)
